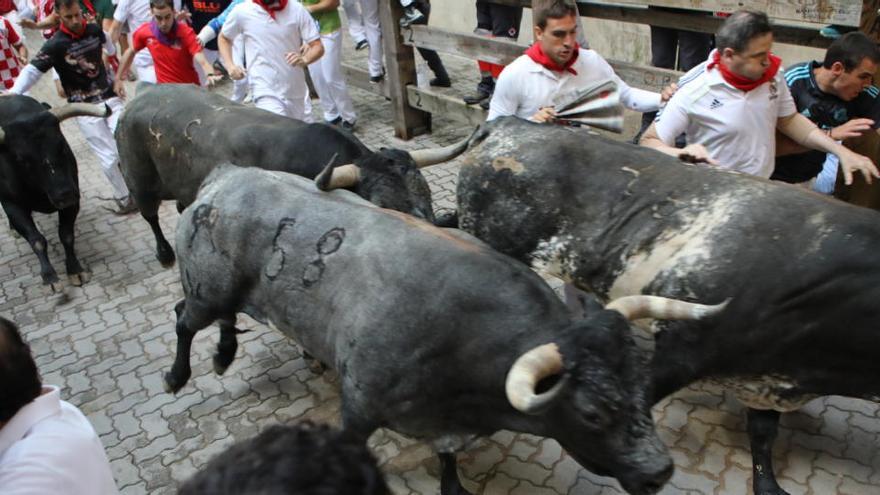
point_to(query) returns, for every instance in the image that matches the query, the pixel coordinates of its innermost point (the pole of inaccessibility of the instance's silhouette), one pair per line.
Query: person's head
(744, 41)
(303, 459)
(163, 12)
(19, 379)
(556, 30)
(71, 15)
(851, 60)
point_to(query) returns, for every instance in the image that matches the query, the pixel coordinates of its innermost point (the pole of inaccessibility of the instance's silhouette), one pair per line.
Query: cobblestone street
(108, 343)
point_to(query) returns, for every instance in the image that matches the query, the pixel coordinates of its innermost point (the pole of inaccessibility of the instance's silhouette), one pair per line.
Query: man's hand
(237, 73)
(183, 15)
(851, 129)
(667, 92)
(544, 115)
(28, 23)
(295, 59)
(851, 162)
(119, 88)
(213, 79)
(696, 153)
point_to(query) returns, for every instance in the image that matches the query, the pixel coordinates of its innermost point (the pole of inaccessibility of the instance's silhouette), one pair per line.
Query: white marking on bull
(768, 392)
(678, 249)
(548, 257)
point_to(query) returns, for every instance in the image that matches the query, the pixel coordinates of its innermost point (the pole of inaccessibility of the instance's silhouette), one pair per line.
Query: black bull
(38, 172)
(433, 333)
(800, 271)
(172, 135)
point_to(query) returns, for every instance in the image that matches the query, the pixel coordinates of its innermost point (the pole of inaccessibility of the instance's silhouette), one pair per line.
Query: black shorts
(500, 20)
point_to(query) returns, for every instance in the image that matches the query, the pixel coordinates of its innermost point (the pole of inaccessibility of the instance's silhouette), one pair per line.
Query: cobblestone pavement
(108, 346)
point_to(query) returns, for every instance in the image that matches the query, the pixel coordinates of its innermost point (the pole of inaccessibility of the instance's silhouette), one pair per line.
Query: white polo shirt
(267, 41)
(525, 86)
(49, 447)
(738, 128)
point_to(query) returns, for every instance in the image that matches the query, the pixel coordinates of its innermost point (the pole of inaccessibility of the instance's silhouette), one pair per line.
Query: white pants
(355, 20)
(373, 31)
(294, 108)
(99, 134)
(330, 83)
(143, 66)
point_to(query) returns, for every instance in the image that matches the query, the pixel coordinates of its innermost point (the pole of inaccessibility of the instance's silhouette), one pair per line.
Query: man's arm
(853, 128)
(322, 6)
(803, 131)
(26, 79)
(692, 153)
(309, 54)
(124, 67)
(224, 45)
(210, 31)
(210, 76)
(115, 31)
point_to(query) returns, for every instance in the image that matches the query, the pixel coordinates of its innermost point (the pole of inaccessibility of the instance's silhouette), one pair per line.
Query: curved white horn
(80, 110)
(662, 308)
(2, 135)
(338, 177)
(527, 371)
(433, 156)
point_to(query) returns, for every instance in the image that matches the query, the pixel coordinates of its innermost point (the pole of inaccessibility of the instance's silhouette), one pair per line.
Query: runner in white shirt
(730, 106)
(47, 446)
(555, 65)
(280, 38)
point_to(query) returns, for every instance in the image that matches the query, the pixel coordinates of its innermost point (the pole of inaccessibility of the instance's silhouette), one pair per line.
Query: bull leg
(763, 427)
(227, 346)
(75, 272)
(164, 253)
(450, 484)
(23, 222)
(189, 321)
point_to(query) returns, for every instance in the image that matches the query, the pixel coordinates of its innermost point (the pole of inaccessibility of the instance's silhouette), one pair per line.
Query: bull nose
(655, 482)
(65, 201)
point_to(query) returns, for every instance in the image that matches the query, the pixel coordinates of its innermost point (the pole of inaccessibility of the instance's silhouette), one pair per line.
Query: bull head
(546, 360)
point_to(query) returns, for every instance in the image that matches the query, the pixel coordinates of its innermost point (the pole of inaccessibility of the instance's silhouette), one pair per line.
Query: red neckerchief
(71, 33)
(537, 54)
(273, 9)
(739, 82)
(89, 7)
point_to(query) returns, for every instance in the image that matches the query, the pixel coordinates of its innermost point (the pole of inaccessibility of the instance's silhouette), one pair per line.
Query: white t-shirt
(525, 86)
(49, 447)
(738, 128)
(267, 41)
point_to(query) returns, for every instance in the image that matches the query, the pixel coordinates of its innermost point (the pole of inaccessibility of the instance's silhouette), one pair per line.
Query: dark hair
(850, 49)
(161, 4)
(555, 9)
(305, 459)
(66, 4)
(19, 378)
(741, 27)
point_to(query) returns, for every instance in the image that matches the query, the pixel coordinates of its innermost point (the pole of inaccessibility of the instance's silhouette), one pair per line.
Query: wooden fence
(412, 106)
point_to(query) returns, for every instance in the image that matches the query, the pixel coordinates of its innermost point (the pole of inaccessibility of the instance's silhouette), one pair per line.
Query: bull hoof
(166, 259)
(219, 366)
(78, 279)
(171, 384)
(56, 287)
(316, 367)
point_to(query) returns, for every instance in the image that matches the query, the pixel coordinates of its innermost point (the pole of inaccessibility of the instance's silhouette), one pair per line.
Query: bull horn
(2, 135)
(338, 177)
(663, 308)
(527, 371)
(80, 110)
(433, 156)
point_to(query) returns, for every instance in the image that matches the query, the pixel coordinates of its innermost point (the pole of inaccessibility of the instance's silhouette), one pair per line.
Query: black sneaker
(348, 126)
(478, 97)
(361, 45)
(410, 16)
(336, 121)
(377, 79)
(485, 103)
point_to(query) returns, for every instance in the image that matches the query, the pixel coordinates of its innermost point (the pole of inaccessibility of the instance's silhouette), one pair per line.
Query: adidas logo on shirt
(715, 104)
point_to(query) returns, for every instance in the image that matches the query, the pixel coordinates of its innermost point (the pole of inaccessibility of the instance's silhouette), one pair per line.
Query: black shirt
(79, 64)
(825, 110)
(202, 12)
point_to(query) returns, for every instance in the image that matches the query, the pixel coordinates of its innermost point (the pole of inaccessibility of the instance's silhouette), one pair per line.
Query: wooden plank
(690, 21)
(401, 71)
(844, 12)
(502, 51)
(452, 107)
(360, 78)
